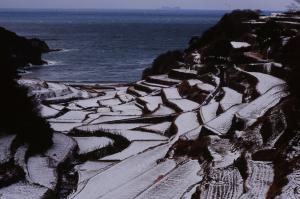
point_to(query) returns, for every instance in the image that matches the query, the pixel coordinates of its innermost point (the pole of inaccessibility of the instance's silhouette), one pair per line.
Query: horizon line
(141, 9)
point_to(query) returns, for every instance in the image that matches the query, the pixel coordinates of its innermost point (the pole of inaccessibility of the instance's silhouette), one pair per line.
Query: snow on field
(193, 82)
(89, 169)
(128, 113)
(163, 110)
(261, 105)
(237, 45)
(146, 87)
(125, 107)
(89, 144)
(121, 173)
(57, 107)
(111, 118)
(221, 124)
(134, 148)
(208, 112)
(62, 148)
(184, 105)
(48, 112)
(151, 99)
(41, 173)
(163, 79)
(175, 183)
(185, 123)
(20, 157)
(63, 127)
(189, 193)
(103, 110)
(266, 82)
(151, 103)
(133, 135)
(231, 98)
(22, 190)
(171, 93)
(155, 84)
(91, 117)
(88, 103)
(203, 87)
(110, 102)
(160, 128)
(136, 92)
(136, 186)
(59, 96)
(73, 107)
(5, 144)
(193, 134)
(108, 127)
(125, 98)
(185, 71)
(71, 116)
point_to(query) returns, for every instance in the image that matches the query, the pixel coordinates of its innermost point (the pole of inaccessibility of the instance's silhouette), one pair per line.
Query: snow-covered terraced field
(198, 131)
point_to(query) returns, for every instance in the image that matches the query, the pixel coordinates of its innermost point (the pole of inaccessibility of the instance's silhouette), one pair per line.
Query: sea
(105, 46)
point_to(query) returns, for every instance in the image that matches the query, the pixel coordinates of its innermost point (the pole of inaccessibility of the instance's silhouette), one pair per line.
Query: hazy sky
(148, 4)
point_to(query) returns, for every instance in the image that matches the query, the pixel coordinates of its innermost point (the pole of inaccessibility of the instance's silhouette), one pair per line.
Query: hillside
(219, 121)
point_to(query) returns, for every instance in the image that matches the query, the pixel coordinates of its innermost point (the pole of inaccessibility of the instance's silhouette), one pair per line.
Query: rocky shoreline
(220, 123)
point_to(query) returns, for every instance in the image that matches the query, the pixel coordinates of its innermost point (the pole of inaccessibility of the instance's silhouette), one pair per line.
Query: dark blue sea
(105, 45)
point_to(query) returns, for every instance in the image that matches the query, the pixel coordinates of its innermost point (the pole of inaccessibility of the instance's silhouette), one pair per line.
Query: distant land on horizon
(127, 9)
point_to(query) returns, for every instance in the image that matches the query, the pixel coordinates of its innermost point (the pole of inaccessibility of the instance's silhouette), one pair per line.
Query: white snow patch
(230, 98)
(221, 124)
(261, 105)
(47, 112)
(103, 110)
(143, 182)
(110, 127)
(23, 190)
(63, 127)
(89, 144)
(184, 105)
(185, 123)
(209, 111)
(160, 128)
(89, 169)
(103, 119)
(5, 144)
(133, 149)
(71, 116)
(62, 148)
(171, 93)
(41, 173)
(121, 173)
(175, 183)
(238, 45)
(204, 87)
(110, 102)
(57, 107)
(163, 110)
(133, 135)
(266, 82)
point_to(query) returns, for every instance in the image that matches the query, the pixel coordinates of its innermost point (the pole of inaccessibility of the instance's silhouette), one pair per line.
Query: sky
(148, 4)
